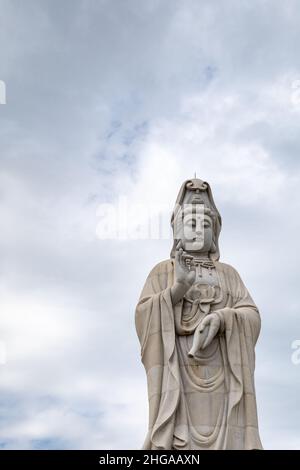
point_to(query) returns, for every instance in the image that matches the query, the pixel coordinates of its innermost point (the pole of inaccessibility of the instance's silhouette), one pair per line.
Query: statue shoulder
(226, 268)
(163, 267)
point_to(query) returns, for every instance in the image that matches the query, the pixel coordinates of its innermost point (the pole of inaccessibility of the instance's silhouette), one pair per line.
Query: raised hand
(184, 274)
(184, 266)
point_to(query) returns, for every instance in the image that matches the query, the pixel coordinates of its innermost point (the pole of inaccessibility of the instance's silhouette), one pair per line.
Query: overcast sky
(110, 99)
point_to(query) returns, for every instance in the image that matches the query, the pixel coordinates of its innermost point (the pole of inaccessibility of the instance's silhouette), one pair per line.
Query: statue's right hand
(184, 272)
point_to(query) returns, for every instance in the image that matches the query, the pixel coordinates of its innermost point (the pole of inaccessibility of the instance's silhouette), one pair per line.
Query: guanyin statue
(197, 325)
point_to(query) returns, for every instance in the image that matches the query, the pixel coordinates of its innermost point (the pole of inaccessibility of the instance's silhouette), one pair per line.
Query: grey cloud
(99, 94)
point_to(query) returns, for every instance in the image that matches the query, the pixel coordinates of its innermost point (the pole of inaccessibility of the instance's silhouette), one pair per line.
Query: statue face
(197, 230)
(197, 227)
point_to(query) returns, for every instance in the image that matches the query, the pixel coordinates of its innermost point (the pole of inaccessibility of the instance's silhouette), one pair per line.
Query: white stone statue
(197, 325)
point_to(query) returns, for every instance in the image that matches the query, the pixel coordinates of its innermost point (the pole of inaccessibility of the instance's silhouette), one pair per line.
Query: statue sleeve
(246, 309)
(154, 320)
(154, 299)
(241, 327)
(242, 306)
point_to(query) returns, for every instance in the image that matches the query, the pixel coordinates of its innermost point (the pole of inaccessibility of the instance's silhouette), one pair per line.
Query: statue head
(195, 220)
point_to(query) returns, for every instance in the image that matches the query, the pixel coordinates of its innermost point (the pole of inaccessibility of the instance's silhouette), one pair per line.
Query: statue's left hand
(212, 322)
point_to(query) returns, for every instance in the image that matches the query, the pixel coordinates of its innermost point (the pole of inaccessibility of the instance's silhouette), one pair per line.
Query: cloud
(111, 99)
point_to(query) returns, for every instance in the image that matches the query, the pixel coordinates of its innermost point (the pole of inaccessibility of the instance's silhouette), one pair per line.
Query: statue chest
(206, 290)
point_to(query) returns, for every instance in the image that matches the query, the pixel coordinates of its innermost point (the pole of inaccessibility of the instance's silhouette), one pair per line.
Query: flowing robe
(207, 401)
